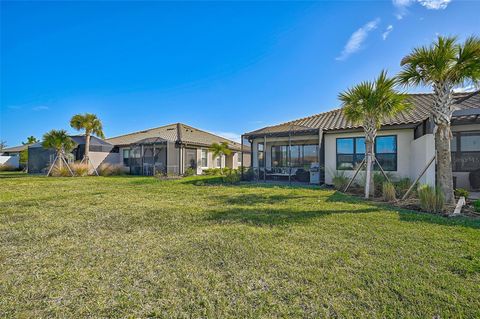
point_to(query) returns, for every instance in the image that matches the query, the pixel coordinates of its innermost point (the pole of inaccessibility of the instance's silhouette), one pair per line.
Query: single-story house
(317, 147)
(168, 149)
(173, 149)
(10, 156)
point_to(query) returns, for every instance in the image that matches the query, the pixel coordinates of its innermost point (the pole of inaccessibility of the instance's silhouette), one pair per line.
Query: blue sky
(226, 67)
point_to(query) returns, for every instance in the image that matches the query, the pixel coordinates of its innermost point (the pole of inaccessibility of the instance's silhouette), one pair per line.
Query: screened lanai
(149, 157)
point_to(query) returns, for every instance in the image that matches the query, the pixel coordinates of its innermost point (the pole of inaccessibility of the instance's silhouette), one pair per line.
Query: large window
(301, 155)
(465, 151)
(261, 155)
(203, 160)
(126, 156)
(351, 151)
(386, 152)
(219, 161)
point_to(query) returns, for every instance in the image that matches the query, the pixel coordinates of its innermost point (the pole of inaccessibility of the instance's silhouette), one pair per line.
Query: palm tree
(30, 140)
(219, 149)
(91, 124)
(368, 103)
(60, 142)
(444, 65)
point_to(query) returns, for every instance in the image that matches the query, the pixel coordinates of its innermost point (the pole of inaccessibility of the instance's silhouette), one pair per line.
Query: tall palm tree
(60, 141)
(368, 103)
(30, 140)
(219, 149)
(91, 124)
(444, 65)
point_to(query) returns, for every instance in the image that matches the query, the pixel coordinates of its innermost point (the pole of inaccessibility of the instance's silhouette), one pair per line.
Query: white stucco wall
(422, 150)
(404, 153)
(13, 161)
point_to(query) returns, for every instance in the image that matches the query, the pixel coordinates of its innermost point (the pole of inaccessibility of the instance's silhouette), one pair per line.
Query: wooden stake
(355, 175)
(418, 178)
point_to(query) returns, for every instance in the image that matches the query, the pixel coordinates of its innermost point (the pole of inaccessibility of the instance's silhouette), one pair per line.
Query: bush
(6, 168)
(431, 199)
(388, 191)
(232, 178)
(248, 174)
(212, 171)
(339, 180)
(110, 170)
(459, 192)
(79, 169)
(476, 205)
(62, 171)
(402, 185)
(189, 172)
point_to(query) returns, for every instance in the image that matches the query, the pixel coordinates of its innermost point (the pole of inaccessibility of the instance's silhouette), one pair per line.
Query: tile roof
(335, 120)
(176, 132)
(14, 149)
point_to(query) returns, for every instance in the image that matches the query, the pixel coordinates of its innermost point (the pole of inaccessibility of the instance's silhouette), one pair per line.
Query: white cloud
(468, 88)
(357, 38)
(387, 32)
(434, 4)
(402, 5)
(230, 135)
(40, 108)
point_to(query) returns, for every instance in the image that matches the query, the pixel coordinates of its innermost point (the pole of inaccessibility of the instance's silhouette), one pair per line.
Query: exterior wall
(13, 161)
(99, 158)
(404, 154)
(423, 149)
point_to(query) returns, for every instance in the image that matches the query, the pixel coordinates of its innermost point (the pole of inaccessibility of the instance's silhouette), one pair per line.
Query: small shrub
(232, 178)
(62, 171)
(189, 172)
(459, 192)
(402, 185)
(388, 191)
(431, 199)
(212, 171)
(476, 205)
(339, 180)
(110, 170)
(79, 169)
(6, 168)
(248, 174)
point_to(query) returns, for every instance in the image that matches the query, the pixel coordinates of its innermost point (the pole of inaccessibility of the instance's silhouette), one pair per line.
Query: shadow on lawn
(275, 217)
(254, 199)
(407, 215)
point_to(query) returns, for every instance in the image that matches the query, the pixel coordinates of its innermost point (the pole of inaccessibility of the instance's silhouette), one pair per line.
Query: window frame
(457, 153)
(289, 160)
(202, 158)
(355, 154)
(126, 160)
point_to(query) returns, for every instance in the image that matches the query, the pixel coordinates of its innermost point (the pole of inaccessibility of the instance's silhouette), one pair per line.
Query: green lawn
(140, 247)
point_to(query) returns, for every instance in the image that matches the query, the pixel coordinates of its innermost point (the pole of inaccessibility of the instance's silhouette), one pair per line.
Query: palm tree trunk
(369, 187)
(442, 114)
(444, 163)
(87, 147)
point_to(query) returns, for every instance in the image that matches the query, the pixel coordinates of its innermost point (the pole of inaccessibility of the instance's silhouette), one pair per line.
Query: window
(126, 156)
(465, 148)
(351, 152)
(301, 155)
(386, 152)
(219, 161)
(204, 160)
(261, 155)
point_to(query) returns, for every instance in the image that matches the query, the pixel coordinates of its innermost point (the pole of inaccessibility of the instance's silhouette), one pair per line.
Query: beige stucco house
(314, 148)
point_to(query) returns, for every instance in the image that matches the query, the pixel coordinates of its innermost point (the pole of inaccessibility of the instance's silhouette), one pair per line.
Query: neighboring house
(40, 158)
(173, 149)
(10, 156)
(405, 144)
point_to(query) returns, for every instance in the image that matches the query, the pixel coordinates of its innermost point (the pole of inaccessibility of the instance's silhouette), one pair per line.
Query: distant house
(13, 151)
(173, 149)
(316, 147)
(10, 156)
(168, 149)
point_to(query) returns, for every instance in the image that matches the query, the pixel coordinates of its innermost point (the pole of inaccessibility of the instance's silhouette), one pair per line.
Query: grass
(140, 247)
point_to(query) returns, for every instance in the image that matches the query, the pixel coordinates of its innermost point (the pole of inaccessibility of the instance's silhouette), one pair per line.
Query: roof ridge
(203, 131)
(142, 131)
